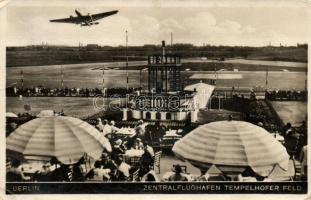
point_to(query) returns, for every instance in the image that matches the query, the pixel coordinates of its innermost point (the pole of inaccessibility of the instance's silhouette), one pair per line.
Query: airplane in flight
(85, 20)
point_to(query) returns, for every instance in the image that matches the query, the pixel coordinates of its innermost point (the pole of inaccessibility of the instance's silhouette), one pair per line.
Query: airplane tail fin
(78, 13)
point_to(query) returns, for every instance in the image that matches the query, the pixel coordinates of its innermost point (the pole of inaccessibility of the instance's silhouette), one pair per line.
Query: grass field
(76, 107)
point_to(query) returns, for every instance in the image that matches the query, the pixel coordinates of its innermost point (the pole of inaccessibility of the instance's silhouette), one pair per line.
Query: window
(158, 115)
(168, 116)
(148, 115)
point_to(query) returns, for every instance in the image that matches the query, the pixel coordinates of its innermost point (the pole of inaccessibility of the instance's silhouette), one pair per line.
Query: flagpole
(103, 81)
(266, 78)
(62, 77)
(127, 75)
(22, 79)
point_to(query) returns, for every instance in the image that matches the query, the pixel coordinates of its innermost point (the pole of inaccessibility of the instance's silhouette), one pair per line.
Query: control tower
(164, 73)
(165, 100)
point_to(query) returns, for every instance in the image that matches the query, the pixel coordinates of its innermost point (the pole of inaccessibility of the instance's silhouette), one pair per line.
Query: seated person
(77, 171)
(114, 129)
(304, 163)
(154, 134)
(147, 158)
(43, 174)
(106, 162)
(106, 127)
(150, 177)
(123, 170)
(117, 149)
(130, 140)
(138, 145)
(99, 125)
(177, 176)
(61, 173)
(141, 125)
(15, 173)
(98, 174)
(249, 172)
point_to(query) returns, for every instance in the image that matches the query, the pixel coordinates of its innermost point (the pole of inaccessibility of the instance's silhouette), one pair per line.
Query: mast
(127, 60)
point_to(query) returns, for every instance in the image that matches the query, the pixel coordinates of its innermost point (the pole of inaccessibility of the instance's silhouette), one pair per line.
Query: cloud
(144, 28)
(205, 28)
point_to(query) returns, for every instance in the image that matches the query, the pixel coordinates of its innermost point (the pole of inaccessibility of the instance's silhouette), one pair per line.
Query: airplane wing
(66, 20)
(102, 15)
(85, 18)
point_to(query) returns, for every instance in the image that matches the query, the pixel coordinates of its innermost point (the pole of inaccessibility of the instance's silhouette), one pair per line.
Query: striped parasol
(232, 146)
(66, 138)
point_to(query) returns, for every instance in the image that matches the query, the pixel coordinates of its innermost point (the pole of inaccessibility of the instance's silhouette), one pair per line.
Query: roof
(216, 76)
(200, 87)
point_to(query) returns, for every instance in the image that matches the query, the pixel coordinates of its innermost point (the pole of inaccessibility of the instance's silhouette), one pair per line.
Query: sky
(247, 26)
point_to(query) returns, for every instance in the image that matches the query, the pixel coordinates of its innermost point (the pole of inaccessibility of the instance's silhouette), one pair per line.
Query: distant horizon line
(157, 45)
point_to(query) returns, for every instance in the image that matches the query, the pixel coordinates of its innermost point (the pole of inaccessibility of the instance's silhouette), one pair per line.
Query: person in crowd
(107, 162)
(117, 149)
(304, 133)
(252, 95)
(77, 171)
(154, 134)
(43, 174)
(111, 138)
(99, 124)
(106, 127)
(54, 164)
(138, 145)
(123, 170)
(15, 172)
(114, 129)
(147, 158)
(130, 140)
(140, 132)
(304, 163)
(249, 172)
(62, 173)
(177, 176)
(97, 173)
(10, 127)
(141, 125)
(45, 169)
(150, 177)
(287, 129)
(292, 139)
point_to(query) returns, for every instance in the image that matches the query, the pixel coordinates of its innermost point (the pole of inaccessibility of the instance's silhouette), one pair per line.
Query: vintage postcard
(155, 97)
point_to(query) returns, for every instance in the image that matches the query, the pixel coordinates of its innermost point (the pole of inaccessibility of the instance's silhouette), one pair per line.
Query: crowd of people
(289, 95)
(295, 138)
(66, 92)
(114, 165)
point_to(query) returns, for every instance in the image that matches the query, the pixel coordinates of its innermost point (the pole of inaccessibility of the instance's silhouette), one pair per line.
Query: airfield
(89, 75)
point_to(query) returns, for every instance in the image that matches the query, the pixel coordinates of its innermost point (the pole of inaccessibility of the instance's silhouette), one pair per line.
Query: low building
(165, 99)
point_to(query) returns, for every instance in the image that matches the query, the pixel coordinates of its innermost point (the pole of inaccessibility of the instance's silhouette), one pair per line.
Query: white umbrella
(204, 92)
(232, 146)
(11, 115)
(66, 138)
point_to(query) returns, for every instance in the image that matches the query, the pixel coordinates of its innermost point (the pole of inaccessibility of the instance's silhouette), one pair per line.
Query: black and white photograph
(154, 97)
